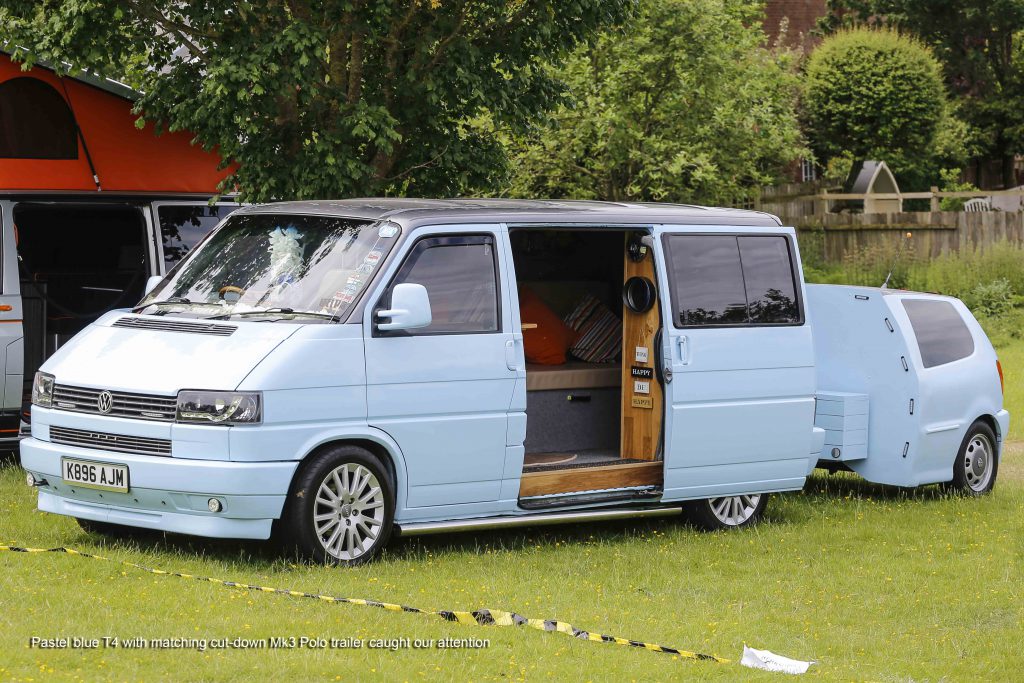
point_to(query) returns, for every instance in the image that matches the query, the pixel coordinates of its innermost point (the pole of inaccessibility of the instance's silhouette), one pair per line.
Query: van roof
(414, 212)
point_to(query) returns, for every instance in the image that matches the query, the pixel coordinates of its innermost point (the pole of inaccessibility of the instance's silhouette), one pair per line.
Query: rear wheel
(976, 465)
(729, 512)
(341, 507)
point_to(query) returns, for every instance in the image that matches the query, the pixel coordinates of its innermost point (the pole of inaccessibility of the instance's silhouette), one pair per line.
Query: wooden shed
(874, 178)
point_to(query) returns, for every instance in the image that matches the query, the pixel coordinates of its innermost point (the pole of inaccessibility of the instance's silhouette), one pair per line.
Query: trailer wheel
(729, 512)
(976, 464)
(341, 507)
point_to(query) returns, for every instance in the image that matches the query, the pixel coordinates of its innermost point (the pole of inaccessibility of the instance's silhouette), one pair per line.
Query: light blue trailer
(894, 413)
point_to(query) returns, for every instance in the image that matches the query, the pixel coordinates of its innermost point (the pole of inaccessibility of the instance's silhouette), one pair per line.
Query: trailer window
(732, 280)
(942, 336)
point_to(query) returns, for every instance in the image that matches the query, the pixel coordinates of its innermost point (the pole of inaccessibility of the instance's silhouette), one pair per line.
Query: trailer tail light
(1002, 382)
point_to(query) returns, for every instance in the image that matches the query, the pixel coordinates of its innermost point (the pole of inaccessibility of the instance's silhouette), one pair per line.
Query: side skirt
(423, 528)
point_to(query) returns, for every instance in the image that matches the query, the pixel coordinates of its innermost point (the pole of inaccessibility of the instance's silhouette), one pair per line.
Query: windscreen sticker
(373, 257)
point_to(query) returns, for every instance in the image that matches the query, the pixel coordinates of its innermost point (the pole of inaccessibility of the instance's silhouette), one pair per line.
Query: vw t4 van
(333, 372)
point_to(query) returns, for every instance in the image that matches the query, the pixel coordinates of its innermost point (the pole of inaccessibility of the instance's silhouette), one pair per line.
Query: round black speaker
(639, 294)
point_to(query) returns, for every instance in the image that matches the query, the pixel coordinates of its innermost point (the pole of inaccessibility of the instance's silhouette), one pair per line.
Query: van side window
(769, 279)
(732, 280)
(942, 336)
(460, 274)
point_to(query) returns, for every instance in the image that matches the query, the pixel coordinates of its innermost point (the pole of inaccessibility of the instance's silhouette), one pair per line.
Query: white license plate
(94, 475)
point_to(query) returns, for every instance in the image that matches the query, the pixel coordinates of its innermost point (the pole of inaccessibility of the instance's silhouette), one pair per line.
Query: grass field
(1011, 357)
(874, 583)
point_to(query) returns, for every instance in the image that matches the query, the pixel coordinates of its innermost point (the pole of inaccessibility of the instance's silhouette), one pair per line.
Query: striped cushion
(600, 331)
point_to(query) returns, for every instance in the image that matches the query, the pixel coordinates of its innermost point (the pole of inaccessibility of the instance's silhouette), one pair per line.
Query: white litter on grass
(769, 661)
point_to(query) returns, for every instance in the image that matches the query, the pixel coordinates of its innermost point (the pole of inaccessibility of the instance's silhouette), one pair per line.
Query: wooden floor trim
(591, 478)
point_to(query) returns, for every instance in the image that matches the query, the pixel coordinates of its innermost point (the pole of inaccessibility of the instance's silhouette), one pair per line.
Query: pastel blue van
(332, 373)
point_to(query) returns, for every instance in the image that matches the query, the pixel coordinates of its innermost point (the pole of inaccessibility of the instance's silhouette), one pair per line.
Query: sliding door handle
(685, 352)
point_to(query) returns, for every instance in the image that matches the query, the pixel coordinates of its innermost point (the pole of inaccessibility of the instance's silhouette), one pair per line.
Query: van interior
(594, 402)
(75, 262)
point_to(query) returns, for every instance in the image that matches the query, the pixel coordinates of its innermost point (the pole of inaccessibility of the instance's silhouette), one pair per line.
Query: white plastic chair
(978, 204)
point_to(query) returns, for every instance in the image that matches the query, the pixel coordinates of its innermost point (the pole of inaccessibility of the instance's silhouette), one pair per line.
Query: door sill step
(577, 498)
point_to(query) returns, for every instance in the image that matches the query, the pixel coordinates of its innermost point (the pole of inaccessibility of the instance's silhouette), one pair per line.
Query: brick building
(799, 16)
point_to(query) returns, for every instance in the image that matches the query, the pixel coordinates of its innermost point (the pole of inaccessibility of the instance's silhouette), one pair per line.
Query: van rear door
(740, 403)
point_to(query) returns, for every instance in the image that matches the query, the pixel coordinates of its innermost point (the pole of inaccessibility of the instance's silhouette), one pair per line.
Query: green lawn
(1011, 357)
(873, 582)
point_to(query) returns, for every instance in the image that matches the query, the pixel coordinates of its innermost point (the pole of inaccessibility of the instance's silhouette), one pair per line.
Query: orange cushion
(547, 343)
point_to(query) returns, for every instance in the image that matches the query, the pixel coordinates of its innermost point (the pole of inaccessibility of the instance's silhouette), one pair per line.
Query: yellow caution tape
(480, 617)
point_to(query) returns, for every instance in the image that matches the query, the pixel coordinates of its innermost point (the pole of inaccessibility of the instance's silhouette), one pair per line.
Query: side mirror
(410, 308)
(152, 282)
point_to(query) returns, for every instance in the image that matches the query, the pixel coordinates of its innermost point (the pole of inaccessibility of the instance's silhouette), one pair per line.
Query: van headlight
(42, 390)
(220, 407)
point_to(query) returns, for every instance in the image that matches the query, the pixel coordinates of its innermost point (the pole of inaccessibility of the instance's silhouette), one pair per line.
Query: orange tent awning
(126, 158)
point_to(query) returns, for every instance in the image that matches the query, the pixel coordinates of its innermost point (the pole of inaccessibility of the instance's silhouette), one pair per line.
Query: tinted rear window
(732, 280)
(942, 336)
(768, 279)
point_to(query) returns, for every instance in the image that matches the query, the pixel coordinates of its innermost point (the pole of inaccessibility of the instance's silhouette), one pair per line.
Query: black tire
(740, 511)
(363, 532)
(977, 462)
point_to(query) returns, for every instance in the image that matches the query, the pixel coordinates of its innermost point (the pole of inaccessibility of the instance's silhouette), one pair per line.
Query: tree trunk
(1009, 177)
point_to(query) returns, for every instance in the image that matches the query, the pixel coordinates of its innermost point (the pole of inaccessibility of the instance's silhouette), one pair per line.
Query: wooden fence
(794, 199)
(933, 232)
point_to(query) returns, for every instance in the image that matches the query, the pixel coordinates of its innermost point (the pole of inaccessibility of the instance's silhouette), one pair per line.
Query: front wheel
(976, 466)
(341, 507)
(729, 512)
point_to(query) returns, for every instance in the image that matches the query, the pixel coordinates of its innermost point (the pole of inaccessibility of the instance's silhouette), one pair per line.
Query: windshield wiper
(165, 302)
(269, 311)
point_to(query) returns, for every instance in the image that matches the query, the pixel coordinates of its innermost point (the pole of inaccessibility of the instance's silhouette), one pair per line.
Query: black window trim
(794, 273)
(461, 238)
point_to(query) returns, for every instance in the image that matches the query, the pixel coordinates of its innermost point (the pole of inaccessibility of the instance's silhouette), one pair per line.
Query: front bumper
(166, 494)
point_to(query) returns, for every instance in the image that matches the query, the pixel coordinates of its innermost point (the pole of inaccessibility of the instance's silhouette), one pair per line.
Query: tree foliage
(876, 94)
(979, 43)
(326, 98)
(684, 103)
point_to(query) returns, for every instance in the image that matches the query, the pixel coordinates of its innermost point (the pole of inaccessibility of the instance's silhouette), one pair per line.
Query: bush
(960, 273)
(992, 298)
(878, 94)
(951, 183)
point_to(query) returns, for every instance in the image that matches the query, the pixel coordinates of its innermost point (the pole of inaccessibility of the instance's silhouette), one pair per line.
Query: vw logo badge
(105, 401)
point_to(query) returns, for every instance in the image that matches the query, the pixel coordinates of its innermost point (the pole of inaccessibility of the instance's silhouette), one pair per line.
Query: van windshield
(275, 267)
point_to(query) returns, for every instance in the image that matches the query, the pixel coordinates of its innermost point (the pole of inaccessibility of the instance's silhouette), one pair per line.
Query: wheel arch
(379, 444)
(993, 424)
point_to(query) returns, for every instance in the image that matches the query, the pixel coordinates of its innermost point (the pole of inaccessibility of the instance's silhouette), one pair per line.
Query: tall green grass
(989, 280)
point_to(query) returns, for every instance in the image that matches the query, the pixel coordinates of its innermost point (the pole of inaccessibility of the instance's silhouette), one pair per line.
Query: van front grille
(176, 326)
(86, 438)
(122, 404)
